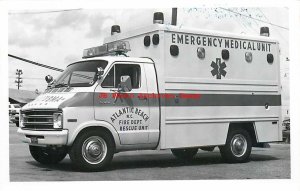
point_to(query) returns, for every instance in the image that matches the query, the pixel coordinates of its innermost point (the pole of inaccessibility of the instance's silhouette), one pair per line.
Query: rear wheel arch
(248, 126)
(239, 142)
(240, 139)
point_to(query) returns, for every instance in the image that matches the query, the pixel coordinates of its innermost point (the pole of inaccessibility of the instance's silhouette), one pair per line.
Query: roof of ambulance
(187, 30)
(170, 28)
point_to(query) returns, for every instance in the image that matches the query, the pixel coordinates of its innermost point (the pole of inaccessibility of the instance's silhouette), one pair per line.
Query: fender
(94, 123)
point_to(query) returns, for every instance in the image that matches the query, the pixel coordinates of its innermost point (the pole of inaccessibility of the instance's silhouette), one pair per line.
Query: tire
(92, 151)
(238, 146)
(45, 155)
(185, 154)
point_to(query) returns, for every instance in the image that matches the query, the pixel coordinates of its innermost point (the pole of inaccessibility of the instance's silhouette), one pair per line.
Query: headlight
(57, 120)
(21, 120)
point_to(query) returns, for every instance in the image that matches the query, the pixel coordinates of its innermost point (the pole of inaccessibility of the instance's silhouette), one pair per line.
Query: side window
(132, 70)
(109, 81)
(113, 78)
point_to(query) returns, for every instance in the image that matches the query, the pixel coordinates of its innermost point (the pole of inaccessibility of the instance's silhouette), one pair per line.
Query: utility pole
(19, 78)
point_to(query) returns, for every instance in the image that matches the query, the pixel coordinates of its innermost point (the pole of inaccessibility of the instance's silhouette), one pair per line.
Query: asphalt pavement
(265, 163)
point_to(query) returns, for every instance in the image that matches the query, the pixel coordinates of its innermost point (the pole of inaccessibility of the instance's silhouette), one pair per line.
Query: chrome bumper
(43, 137)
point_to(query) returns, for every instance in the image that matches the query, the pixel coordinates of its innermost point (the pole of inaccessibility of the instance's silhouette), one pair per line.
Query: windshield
(80, 74)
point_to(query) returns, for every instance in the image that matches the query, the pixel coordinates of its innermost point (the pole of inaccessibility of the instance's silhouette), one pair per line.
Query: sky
(58, 37)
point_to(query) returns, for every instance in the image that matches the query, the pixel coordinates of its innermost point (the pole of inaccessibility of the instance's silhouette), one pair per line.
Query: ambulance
(156, 88)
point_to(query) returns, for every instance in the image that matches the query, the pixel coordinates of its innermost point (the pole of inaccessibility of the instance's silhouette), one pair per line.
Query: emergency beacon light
(114, 48)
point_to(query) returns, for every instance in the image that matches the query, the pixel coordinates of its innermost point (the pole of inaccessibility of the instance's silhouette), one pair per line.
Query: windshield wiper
(61, 85)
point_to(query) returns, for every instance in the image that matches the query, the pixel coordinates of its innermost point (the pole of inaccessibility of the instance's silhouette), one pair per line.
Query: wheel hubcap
(94, 150)
(238, 145)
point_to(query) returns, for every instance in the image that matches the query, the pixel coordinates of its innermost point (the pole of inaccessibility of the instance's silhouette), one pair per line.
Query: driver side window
(113, 78)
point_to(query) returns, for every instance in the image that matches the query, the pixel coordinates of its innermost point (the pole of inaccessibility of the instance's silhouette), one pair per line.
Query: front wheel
(185, 154)
(92, 151)
(238, 146)
(46, 155)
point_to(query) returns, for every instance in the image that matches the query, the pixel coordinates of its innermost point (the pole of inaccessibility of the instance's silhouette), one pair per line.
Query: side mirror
(125, 84)
(100, 72)
(49, 79)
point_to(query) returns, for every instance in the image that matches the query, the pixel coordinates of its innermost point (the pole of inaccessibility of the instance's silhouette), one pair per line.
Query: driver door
(129, 115)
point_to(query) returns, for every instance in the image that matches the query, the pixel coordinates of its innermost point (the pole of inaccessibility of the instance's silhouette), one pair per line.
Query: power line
(46, 66)
(242, 22)
(275, 28)
(31, 78)
(248, 16)
(37, 64)
(42, 12)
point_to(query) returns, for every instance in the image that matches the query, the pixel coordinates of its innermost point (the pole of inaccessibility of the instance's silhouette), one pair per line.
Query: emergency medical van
(159, 87)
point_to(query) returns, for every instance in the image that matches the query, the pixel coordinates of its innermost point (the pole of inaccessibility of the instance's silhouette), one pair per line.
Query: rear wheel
(185, 154)
(46, 155)
(238, 146)
(92, 151)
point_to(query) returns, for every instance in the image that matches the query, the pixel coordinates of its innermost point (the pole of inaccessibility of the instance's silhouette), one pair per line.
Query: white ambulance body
(179, 89)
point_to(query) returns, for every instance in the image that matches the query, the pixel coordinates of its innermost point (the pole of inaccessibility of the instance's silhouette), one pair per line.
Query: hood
(61, 100)
(49, 101)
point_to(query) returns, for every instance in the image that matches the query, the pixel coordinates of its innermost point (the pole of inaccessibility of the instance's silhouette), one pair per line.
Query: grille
(38, 119)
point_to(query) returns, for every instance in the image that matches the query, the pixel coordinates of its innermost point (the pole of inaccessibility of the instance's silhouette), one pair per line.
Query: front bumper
(43, 137)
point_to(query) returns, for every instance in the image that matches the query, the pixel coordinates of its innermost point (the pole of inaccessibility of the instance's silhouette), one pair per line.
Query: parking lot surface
(265, 163)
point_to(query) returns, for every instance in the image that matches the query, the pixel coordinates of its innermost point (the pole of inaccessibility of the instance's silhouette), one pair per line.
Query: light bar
(114, 48)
